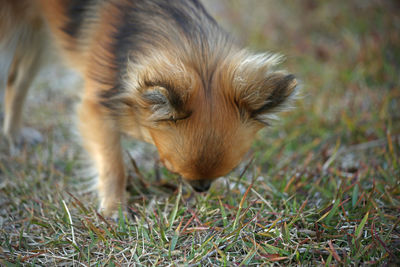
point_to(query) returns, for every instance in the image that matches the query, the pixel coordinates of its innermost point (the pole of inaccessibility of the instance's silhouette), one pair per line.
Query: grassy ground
(321, 187)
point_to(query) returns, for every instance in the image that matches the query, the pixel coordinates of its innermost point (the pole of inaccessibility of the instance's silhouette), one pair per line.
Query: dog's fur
(160, 71)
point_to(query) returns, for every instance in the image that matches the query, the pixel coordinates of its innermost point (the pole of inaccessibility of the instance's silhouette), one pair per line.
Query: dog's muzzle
(200, 185)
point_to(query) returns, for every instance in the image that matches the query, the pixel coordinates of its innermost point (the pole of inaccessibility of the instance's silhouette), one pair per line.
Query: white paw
(116, 213)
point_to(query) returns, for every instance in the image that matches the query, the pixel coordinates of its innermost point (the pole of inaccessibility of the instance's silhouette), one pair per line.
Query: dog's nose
(200, 185)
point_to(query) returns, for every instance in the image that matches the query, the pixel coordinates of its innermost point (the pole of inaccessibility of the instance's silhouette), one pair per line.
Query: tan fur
(27, 48)
(103, 145)
(199, 101)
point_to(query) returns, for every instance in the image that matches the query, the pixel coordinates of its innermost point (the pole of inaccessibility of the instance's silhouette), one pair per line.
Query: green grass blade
(360, 227)
(175, 210)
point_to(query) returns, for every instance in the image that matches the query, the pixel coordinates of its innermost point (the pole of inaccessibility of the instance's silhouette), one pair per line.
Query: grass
(321, 187)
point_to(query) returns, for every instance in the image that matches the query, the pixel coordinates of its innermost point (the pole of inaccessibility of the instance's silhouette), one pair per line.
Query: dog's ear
(260, 90)
(163, 104)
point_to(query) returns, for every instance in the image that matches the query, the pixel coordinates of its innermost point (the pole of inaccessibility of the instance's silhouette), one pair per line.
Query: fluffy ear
(163, 104)
(260, 90)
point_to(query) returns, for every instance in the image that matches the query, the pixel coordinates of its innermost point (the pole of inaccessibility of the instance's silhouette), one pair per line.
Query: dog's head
(203, 117)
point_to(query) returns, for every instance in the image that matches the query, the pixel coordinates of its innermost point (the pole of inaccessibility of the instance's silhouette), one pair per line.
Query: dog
(159, 71)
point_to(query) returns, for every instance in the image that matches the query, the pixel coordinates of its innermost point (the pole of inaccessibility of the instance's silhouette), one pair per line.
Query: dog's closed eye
(165, 104)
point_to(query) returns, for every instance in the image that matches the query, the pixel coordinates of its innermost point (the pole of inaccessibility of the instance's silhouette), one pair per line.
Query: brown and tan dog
(160, 71)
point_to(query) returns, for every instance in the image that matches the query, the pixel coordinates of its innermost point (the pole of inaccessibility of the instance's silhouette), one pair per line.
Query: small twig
(80, 204)
(33, 255)
(137, 171)
(376, 236)
(246, 167)
(333, 251)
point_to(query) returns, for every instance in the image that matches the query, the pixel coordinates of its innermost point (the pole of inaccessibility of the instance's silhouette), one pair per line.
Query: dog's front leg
(101, 138)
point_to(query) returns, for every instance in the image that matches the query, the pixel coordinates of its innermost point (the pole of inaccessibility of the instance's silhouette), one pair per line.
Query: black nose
(200, 185)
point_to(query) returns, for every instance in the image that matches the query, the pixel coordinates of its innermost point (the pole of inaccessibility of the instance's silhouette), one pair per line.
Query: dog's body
(160, 71)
